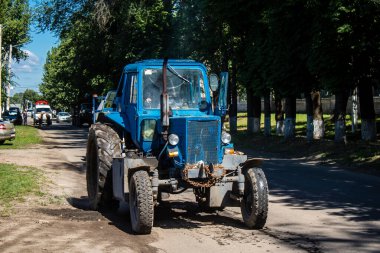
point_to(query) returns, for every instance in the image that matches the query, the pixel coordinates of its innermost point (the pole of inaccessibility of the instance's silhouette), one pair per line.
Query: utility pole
(9, 78)
(1, 66)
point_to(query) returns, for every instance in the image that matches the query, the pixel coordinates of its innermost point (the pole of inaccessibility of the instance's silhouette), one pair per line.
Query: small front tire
(254, 204)
(141, 202)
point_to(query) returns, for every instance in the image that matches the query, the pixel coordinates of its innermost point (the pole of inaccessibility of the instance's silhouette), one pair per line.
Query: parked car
(7, 131)
(63, 117)
(13, 115)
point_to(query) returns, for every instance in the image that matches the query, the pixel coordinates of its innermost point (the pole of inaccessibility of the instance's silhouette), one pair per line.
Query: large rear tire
(254, 205)
(103, 143)
(141, 202)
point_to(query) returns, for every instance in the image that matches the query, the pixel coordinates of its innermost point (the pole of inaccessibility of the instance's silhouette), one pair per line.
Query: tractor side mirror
(214, 82)
(221, 99)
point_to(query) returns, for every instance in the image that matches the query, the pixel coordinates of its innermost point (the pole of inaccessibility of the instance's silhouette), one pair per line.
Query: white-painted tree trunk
(319, 129)
(280, 127)
(340, 131)
(289, 128)
(368, 130)
(354, 118)
(309, 128)
(233, 124)
(267, 126)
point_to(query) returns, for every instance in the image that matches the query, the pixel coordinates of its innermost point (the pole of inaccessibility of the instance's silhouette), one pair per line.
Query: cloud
(27, 66)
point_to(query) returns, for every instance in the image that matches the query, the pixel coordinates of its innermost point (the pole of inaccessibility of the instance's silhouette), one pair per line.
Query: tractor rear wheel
(141, 204)
(103, 143)
(254, 204)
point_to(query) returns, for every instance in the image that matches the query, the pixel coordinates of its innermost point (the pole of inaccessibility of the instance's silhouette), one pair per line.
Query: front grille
(202, 142)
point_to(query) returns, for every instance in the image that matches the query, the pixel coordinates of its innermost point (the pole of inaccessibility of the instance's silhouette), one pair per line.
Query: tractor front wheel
(254, 204)
(141, 202)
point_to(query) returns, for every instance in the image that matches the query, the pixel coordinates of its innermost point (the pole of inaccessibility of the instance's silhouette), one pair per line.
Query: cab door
(130, 101)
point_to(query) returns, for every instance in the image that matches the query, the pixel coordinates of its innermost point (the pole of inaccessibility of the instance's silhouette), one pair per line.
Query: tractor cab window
(133, 92)
(185, 88)
(131, 88)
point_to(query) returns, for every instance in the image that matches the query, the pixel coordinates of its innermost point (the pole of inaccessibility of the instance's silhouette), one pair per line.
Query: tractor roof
(159, 62)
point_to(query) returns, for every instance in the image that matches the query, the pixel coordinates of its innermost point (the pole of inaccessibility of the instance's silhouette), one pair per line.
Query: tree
(31, 95)
(96, 42)
(17, 98)
(15, 19)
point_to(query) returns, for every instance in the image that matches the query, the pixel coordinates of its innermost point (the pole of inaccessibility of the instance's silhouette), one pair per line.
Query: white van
(42, 114)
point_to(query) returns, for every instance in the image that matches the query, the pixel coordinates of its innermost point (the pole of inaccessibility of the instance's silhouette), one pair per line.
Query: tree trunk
(309, 115)
(290, 117)
(318, 123)
(267, 114)
(249, 110)
(233, 99)
(254, 111)
(367, 112)
(279, 116)
(341, 99)
(354, 112)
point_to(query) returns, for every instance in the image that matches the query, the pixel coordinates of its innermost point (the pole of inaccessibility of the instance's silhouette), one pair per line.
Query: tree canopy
(288, 46)
(15, 18)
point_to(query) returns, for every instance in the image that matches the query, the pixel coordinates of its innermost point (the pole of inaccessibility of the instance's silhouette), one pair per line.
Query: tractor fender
(251, 163)
(123, 166)
(135, 163)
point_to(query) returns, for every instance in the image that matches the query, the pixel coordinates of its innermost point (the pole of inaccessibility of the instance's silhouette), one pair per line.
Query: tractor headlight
(226, 137)
(173, 139)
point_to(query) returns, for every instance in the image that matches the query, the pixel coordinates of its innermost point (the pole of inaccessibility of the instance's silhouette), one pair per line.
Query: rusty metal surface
(209, 179)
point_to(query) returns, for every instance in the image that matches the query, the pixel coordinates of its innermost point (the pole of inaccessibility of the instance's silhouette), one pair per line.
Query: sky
(28, 73)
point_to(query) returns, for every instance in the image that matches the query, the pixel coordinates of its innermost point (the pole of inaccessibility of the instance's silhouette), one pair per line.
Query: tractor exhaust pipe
(164, 109)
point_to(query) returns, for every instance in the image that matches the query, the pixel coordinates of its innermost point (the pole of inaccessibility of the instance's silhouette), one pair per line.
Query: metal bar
(164, 102)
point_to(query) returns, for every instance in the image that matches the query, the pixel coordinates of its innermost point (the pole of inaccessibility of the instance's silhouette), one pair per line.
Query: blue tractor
(164, 134)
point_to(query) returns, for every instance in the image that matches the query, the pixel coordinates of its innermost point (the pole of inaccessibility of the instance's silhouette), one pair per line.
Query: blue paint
(199, 130)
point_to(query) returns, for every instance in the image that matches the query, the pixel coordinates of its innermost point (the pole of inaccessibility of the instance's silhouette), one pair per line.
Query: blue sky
(28, 73)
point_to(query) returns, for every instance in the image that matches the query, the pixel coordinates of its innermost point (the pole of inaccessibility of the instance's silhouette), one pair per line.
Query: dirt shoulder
(59, 221)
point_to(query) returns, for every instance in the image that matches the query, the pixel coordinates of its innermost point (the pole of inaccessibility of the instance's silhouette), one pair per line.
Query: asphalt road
(312, 208)
(335, 209)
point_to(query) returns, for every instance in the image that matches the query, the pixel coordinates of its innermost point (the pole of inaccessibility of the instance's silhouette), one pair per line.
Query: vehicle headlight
(173, 139)
(226, 137)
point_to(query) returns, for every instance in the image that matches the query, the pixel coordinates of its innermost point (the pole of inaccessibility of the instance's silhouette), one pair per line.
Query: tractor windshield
(184, 86)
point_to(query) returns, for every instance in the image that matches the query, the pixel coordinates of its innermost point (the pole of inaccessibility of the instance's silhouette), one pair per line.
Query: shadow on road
(168, 215)
(72, 137)
(187, 214)
(353, 196)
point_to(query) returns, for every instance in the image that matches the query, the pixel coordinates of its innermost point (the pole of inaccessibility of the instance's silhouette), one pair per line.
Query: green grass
(25, 136)
(17, 182)
(355, 153)
(300, 124)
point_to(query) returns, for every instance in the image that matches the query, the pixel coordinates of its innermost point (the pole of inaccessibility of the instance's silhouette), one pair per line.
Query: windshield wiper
(177, 74)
